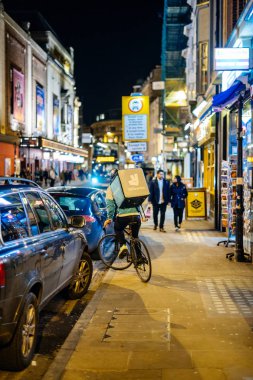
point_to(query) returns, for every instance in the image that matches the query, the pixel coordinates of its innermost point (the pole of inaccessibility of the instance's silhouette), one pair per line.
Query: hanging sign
(229, 59)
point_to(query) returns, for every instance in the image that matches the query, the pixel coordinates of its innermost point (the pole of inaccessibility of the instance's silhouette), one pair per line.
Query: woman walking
(178, 194)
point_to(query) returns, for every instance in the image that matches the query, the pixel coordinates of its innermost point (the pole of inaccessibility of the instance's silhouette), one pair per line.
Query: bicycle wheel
(142, 261)
(108, 248)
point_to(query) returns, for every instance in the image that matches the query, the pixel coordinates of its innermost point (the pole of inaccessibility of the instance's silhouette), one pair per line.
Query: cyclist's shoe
(123, 251)
(141, 260)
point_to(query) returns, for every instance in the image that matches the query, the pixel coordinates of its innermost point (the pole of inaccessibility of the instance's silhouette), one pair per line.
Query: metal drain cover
(138, 325)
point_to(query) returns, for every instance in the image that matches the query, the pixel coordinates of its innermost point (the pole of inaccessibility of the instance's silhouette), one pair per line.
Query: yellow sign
(196, 203)
(105, 159)
(135, 118)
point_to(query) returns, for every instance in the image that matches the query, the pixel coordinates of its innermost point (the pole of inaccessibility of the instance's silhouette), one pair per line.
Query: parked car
(88, 202)
(41, 253)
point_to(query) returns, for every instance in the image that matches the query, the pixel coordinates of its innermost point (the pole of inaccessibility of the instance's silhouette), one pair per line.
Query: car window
(14, 223)
(100, 200)
(39, 210)
(73, 205)
(58, 219)
(32, 219)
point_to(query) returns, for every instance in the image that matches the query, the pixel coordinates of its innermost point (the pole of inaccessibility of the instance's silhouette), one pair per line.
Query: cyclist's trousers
(122, 221)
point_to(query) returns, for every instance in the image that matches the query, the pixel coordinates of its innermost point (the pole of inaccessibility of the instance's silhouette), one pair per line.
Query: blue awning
(228, 97)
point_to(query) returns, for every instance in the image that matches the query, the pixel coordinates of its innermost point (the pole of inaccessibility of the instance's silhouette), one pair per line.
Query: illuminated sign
(105, 159)
(229, 59)
(31, 142)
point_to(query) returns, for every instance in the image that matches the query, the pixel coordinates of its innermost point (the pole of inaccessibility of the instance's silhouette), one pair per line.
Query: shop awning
(228, 97)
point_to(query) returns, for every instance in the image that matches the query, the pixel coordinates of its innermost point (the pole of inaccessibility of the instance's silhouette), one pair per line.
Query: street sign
(137, 147)
(137, 158)
(135, 118)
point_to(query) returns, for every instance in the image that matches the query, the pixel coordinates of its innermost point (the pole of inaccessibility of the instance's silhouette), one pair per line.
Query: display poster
(196, 203)
(40, 109)
(56, 115)
(7, 167)
(18, 96)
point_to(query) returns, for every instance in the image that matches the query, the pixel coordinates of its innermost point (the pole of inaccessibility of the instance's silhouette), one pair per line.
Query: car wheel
(82, 278)
(19, 353)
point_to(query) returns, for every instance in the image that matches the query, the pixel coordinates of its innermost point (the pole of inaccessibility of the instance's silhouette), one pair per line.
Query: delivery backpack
(129, 188)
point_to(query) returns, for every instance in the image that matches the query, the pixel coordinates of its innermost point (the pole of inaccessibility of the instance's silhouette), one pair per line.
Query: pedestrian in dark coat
(159, 197)
(178, 195)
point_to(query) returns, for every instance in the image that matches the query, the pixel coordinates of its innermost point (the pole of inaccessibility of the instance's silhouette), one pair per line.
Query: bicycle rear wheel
(108, 248)
(142, 260)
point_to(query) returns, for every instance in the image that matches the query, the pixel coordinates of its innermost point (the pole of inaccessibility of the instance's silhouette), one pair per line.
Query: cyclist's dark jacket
(112, 208)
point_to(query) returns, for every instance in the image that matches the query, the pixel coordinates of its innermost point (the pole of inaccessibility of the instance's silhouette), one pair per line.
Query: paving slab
(193, 320)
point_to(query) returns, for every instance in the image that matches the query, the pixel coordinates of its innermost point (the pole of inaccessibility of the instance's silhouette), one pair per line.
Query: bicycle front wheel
(142, 260)
(108, 248)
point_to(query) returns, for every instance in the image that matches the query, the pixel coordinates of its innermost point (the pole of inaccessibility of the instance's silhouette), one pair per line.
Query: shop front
(9, 156)
(205, 134)
(42, 154)
(237, 166)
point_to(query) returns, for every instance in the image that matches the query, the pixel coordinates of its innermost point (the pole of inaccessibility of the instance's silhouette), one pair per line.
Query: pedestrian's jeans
(178, 215)
(156, 208)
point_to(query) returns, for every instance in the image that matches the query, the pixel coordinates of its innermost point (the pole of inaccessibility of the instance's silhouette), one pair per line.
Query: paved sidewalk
(193, 320)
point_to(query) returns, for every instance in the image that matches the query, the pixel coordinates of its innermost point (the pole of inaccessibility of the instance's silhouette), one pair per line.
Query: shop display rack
(228, 199)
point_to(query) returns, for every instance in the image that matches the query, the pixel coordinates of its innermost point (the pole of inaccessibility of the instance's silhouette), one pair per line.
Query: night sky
(115, 44)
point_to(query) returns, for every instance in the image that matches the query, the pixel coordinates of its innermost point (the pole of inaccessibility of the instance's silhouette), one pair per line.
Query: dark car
(41, 253)
(88, 202)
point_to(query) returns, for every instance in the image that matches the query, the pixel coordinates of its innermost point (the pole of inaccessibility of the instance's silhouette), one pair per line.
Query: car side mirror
(77, 221)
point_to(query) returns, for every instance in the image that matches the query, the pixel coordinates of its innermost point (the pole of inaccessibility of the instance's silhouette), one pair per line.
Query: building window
(203, 67)
(237, 9)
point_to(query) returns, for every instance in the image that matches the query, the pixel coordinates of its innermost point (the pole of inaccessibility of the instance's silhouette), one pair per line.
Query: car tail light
(89, 218)
(2, 274)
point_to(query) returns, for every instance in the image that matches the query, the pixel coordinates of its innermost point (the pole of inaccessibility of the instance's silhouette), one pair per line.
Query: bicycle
(138, 254)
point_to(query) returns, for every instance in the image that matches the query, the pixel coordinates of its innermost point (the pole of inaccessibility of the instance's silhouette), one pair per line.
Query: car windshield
(73, 205)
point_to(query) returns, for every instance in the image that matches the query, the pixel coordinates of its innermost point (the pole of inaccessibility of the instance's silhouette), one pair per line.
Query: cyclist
(121, 217)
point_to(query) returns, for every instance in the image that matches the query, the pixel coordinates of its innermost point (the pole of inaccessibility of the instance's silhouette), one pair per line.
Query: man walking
(159, 197)
(178, 194)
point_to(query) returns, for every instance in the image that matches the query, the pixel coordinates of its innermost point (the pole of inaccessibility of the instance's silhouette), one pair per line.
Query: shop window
(203, 67)
(237, 9)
